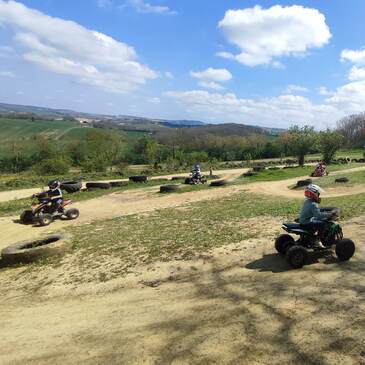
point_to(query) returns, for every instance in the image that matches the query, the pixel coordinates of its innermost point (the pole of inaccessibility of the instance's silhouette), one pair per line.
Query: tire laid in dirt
(219, 183)
(342, 180)
(139, 178)
(258, 168)
(178, 178)
(28, 251)
(117, 184)
(297, 256)
(71, 186)
(98, 185)
(72, 213)
(283, 243)
(249, 173)
(188, 180)
(45, 219)
(345, 249)
(305, 182)
(169, 188)
(27, 217)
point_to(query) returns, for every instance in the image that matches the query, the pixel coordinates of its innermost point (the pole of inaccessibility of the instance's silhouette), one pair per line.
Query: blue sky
(269, 63)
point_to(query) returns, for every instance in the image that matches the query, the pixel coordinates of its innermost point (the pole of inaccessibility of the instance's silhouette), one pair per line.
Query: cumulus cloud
(277, 111)
(265, 34)
(143, 7)
(292, 89)
(357, 73)
(356, 57)
(7, 74)
(65, 47)
(213, 74)
(212, 77)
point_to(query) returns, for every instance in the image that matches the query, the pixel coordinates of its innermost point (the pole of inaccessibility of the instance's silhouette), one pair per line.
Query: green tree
(147, 150)
(301, 141)
(329, 143)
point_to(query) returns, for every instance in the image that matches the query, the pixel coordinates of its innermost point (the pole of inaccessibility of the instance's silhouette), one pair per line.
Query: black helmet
(54, 184)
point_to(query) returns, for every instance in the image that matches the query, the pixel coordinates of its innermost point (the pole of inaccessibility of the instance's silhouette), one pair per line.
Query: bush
(52, 166)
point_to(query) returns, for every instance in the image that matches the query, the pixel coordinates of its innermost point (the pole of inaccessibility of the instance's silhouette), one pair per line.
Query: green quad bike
(297, 251)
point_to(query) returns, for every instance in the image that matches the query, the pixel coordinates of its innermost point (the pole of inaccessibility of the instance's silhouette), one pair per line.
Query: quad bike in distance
(42, 211)
(330, 235)
(195, 178)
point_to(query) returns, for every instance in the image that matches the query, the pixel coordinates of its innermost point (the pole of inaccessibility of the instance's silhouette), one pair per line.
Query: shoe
(319, 246)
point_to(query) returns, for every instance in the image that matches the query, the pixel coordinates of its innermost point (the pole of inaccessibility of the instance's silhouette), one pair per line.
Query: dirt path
(148, 199)
(236, 305)
(282, 187)
(25, 193)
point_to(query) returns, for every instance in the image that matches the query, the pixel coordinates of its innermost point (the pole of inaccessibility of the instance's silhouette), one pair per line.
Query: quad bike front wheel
(297, 256)
(27, 217)
(345, 249)
(72, 213)
(45, 219)
(283, 243)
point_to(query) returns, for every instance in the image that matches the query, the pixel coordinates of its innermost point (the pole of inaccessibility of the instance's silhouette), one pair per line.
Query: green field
(17, 129)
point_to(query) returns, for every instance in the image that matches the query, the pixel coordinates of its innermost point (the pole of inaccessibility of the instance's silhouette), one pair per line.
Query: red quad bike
(43, 213)
(331, 236)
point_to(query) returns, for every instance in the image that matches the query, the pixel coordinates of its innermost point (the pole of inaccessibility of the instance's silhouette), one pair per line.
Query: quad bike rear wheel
(283, 243)
(72, 213)
(297, 256)
(345, 249)
(45, 219)
(27, 217)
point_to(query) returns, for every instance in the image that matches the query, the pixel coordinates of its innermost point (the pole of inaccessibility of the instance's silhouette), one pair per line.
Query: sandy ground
(240, 304)
(26, 193)
(235, 305)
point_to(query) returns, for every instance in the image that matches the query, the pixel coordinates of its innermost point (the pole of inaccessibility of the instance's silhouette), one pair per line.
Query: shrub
(52, 166)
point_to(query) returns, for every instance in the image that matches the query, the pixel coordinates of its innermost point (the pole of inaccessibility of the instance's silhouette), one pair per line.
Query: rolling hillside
(15, 129)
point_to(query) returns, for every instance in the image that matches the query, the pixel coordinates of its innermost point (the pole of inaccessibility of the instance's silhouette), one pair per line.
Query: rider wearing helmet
(55, 194)
(310, 213)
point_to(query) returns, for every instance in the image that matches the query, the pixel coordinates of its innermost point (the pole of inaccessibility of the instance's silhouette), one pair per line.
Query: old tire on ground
(305, 182)
(345, 249)
(72, 213)
(28, 251)
(249, 173)
(283, 243)
(169, 188)
(342, 180)
(258, 168)
(45, 219)
(139, 178)
(27, 217)
(219, 183)
(71, 186)
(117, 184)
(97, 185)
(178, 178)
(296, 256)
(188, 180)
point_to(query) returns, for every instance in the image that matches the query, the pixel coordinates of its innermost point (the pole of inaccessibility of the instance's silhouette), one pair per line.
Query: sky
(266, 63)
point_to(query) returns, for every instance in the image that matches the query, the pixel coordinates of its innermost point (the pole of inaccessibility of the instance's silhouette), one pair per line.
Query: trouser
(56, 205)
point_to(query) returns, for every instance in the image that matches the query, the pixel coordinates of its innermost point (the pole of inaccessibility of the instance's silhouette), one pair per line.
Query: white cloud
(143, 7)
(65, 47)
(357, 73)
(154, 100)
(212, 74)
(265, 34)
(292, 89)
(7, 74)
(104, 3)
(324, 91)
(356, 57)
(169, 75)
(210, 85)
(278, 111)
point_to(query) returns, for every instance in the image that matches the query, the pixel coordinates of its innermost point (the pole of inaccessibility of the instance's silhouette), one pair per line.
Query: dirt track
(239, 304)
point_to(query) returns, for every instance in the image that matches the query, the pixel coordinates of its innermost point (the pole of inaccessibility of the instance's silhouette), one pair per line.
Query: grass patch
(355, 178)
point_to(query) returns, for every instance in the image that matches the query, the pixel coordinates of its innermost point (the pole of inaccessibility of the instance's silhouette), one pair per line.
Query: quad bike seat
(291, 225)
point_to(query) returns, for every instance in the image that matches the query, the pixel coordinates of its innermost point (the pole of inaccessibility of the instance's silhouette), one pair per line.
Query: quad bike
(43, 213)
(330, 235)
(196, 178)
